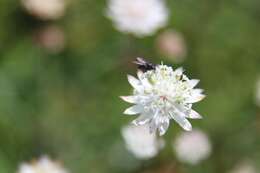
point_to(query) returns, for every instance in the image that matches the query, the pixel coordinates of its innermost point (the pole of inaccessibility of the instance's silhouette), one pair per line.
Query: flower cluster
(244, 167)
(163, 94)
(171, 44)
(140, 142)
(43, 165)
(192, 147)
(139, 17)
(45, 10)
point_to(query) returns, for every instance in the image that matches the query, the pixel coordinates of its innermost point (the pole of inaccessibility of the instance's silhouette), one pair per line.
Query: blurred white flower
(257, 94)
(51, 38)
(43, 165)
(163, 94)
(244, 167)
(139, 17)
(192, 147)
(171, 44)
(142, 143)
(45, 9)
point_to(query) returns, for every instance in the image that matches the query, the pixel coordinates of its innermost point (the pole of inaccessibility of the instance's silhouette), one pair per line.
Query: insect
(144, 65)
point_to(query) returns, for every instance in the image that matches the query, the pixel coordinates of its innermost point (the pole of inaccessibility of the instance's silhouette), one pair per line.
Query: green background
(67, 104)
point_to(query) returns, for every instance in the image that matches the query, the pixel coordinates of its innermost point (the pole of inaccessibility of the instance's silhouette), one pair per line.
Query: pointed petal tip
(136, 109)
(135, 83)
(194, 115)
(182, 121)
(130, 78)
(129, 99)
(200, 98)
(200, 117)
(197, 98)
(125, 112)
(134, 123)
(187, 127)
(139, 74)
(179, 70)
(161, 133)
(124, 98)
(194, 82)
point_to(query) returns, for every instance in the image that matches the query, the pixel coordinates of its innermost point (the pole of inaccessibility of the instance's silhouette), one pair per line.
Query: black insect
(144, 65)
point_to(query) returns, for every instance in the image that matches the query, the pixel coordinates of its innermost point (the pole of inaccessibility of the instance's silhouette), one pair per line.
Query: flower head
(244, 167)
(171, 44)
(43, 165)
(45, 9)
(192, 147)
(141, 142)
(163, 94)
(139, 17)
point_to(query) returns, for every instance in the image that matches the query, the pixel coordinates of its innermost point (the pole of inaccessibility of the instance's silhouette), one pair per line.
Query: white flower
(43, 165)
(142, 143)
(139, 17)
(257, 94)
(244, 167)
(171, 44)
(163, 94)
(192, 147)
(45, 9)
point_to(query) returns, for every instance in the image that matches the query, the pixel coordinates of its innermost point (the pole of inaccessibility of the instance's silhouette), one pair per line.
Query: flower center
(164, 98)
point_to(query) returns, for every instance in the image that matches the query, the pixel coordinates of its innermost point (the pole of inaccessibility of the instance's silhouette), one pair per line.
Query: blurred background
(63, 66)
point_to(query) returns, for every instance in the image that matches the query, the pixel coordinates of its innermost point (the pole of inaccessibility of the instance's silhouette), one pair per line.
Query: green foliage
(67, 105)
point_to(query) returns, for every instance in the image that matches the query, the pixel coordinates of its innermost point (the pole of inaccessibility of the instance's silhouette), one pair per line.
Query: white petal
(130, 99)
(152, 126)
(186, 112)
(194, 115)
(179, 71)
(196, 96)
(26, 168)
(135, 83)
(181, 120)
(139, 74)
(144, 80)
(193, 82)
(179, 107)
(136, 109)
(163, 126)
(196, 92)
(146, 83)
(142, 119)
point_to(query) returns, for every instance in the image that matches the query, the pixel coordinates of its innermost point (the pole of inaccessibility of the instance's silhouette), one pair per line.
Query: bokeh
(63, 66)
